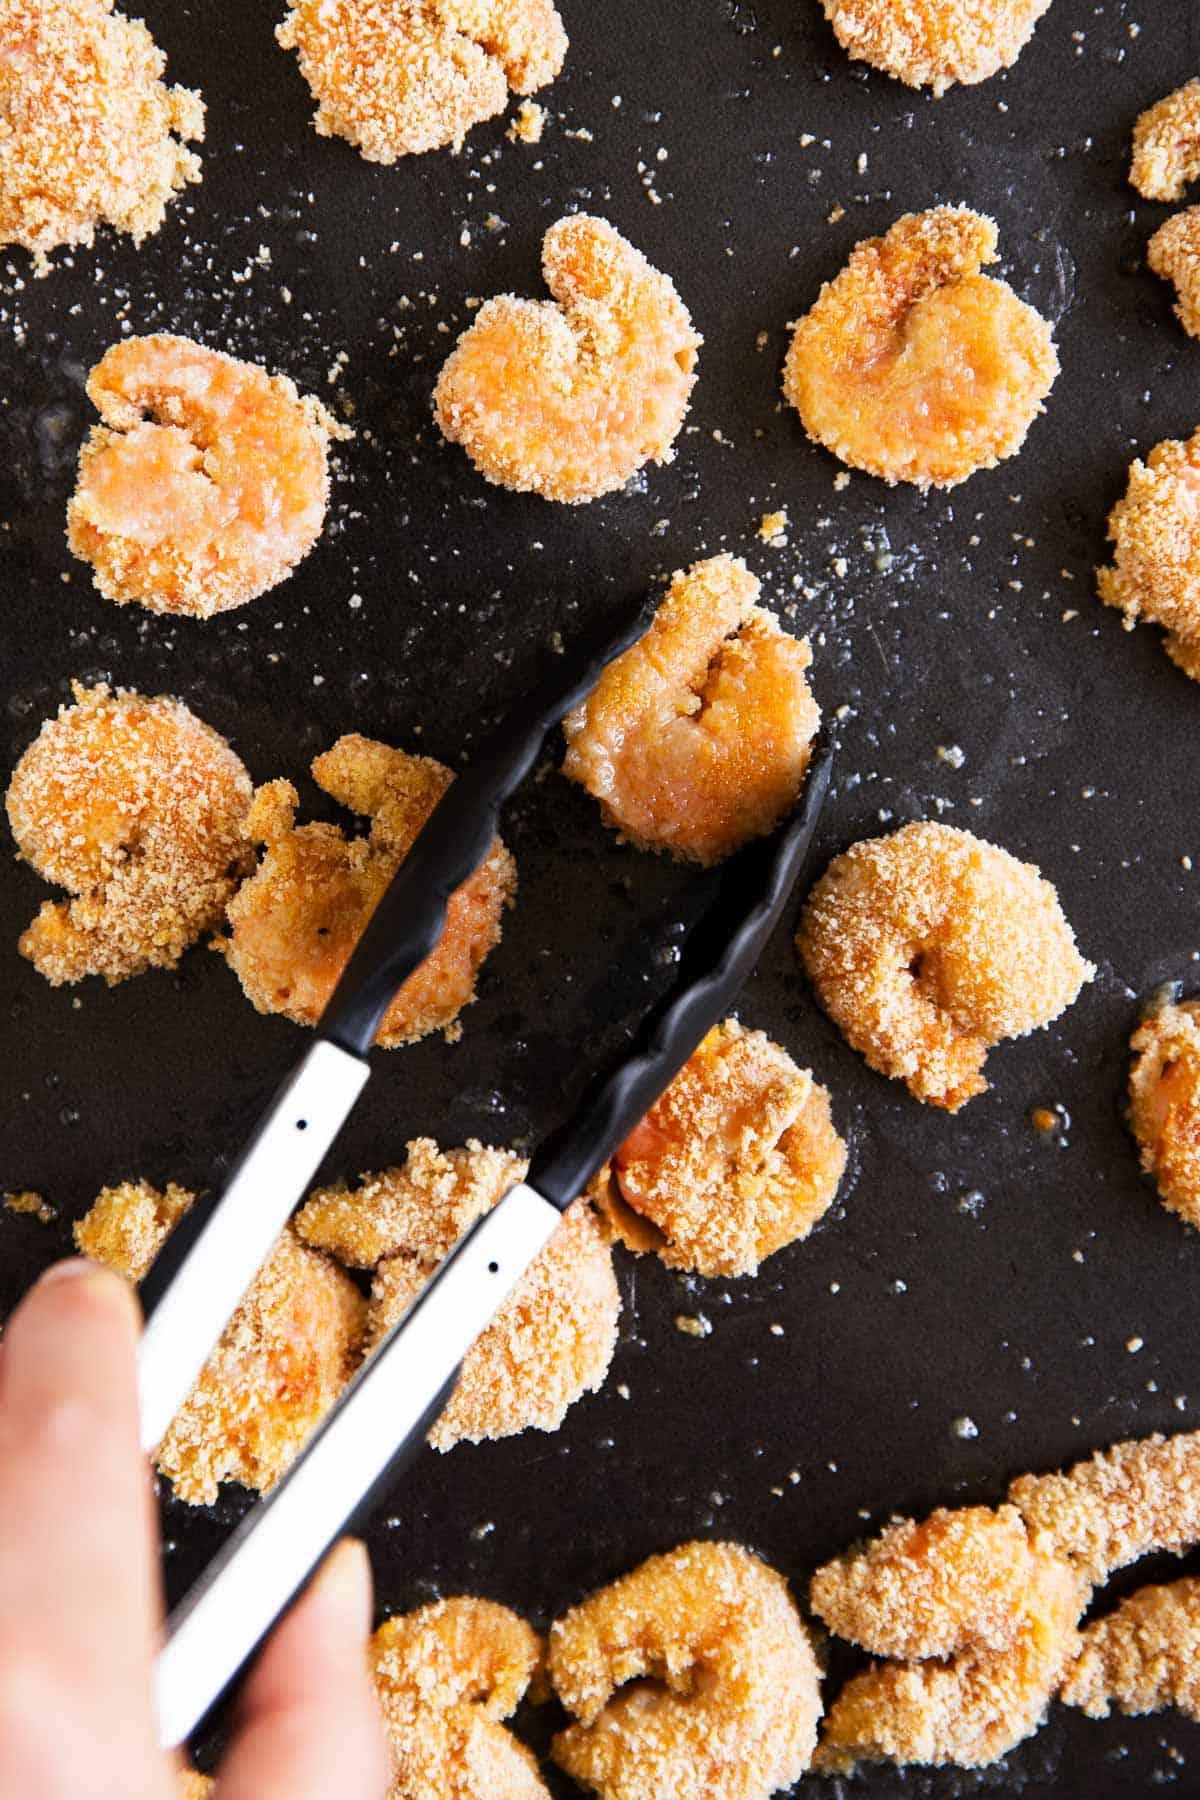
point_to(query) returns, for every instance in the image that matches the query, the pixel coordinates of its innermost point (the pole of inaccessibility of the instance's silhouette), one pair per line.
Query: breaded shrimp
(398, 76)
(1143, 1657)
(1164, 1104)
(1166, 145)
(934, 43)
(1140, 1496)
(698, 737)
(446, 1676)
(569, 399)
(724, 1696)
(89, 135)
(206, 483)
(296, 921)
(971, 1709)
(928, 947)
(959, 1579)
(140, 810)
(1155, 573)
(914, 366)
(284, 1357)
(737, 1158)
(1174, 253)
(554, 1337)
(194, 1786)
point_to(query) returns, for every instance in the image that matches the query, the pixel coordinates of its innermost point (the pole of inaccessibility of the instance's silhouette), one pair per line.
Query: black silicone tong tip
(719, 956)
(457, 836)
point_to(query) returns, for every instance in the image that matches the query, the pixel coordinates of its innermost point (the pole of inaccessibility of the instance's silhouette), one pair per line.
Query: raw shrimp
(284, 1357)
(398, 76)
(914, 366)
(935, 44)
(928, 947)
(958, 1579)
(725, 1693)
(446, 1676)
(1142, 1657)
(1142, 1495)
(1155, 526)
(1174, 253)
(1164, 1104)
(571, 399)
(737, 1158)
(698, 737)
(206, 483)
(1166, 145)
(554, 1337)
(296, 921)
(139, 809)
(89, 135)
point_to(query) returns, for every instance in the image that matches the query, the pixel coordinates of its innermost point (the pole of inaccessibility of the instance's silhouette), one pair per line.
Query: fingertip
(342, 1591)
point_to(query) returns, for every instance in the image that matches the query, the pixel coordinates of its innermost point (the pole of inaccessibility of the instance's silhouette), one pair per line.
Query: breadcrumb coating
(570, 398)
(1166, 145)
(194, 1786)
(929, 946)
(89, 134)
(1164, 1104)
(296, 921)
(205, 485)
(698, 737)
(284, 1357)
(396, 77)
(935, 43)
(1143, 1657)
(738, 1158)
(1174, 253)
(1139, 1496)
(139, 810)
(914, 366)
(724, 1696)
(1155, 573)
(553, 1339)
(446, 1676)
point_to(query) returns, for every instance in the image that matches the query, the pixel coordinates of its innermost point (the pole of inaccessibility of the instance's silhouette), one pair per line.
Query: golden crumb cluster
(928, 947)
(736, 1159)
(1166, 145)
(205, 484)
(569, 399)
(1155, 571)
(1174, 253)
(935, 43)
(698, 737)
(1164, 1103)
(693, 1676)
(296, 921)
(396, 77)
(551, 1341)
(139, 810)
(89, 133)
(912, 364)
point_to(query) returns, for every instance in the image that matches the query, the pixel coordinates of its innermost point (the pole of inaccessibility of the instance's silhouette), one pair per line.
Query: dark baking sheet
(971, 1268)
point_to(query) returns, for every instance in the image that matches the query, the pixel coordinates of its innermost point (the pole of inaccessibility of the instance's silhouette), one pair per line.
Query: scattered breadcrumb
(773, 529)
(529, 123)
(26, 1201)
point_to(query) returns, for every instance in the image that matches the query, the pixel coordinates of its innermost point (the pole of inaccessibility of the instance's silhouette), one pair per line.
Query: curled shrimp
(296, 921)
(91, 133)
(914, 366)
(736, 1159)
(394, 77)
(1155, 571)
(568, 400)
(1166, 145)
(724, 1696)
(281, 1362)
(1174, 254)
(139, 809)
(698, 737)
(205, 484)
(1164, 1104)
(447, 1675)
(1143, 1657)
(935, 45)
(553, 1339)
(928, 947)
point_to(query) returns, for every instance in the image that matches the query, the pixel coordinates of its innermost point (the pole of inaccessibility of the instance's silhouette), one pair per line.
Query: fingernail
(104, 1283)
(343, 1584)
